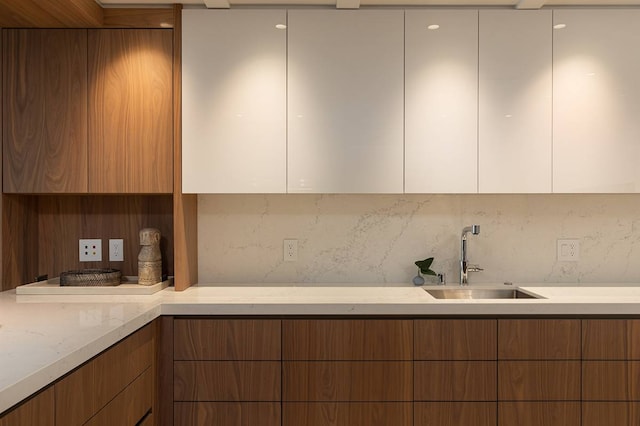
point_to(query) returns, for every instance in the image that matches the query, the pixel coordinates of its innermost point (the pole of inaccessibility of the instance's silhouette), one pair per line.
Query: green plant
(425, 266)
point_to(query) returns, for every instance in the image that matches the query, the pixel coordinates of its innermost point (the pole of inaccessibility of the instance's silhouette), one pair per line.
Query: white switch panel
(91, 250)
(116, 247)
(568, 250)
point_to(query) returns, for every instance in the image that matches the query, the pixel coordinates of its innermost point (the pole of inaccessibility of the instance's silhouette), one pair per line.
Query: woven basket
(91, 277)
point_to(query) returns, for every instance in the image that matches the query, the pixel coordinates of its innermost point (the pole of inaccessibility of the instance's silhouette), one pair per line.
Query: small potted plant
(424, 268)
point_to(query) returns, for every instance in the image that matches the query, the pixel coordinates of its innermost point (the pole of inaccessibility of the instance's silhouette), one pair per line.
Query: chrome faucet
(465, 268)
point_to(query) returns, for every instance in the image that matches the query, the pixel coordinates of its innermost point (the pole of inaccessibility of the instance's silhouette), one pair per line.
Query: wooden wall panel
(227, 413)
(130, 111)
(455, 339)
(20, 243)
(138, 18)
(163, 408)
(45, 111)
(37, 411)
(50, 14)
(539, 339)
(347, 413)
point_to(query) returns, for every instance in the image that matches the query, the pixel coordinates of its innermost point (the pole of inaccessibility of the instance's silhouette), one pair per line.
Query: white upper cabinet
(345, 101)
(441, 101)
(515, 101)
(596, 101)
(234, 101)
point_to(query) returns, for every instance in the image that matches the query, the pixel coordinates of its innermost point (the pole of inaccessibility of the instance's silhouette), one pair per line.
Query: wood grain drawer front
(129, 406)
(611, 380)
(539, 414)
(455, 339)
(455, 414)
(347, 381)
(455, 381)
(226, 414)
(538, 380)
(348, 339)
(226, 339)
(37, 411)
(85, 391)
(226, 380)
(347, 414)
(611, 339)
(610, 413)
(539, 339)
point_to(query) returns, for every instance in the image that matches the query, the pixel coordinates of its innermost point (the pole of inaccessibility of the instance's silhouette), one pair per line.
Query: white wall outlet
(116, 250)
(569, 250)
(91, 250)
(290, 250)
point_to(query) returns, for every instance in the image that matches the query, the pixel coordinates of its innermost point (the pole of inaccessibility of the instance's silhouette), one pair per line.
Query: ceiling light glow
(559, 26)
(433, 27)
(281, 26)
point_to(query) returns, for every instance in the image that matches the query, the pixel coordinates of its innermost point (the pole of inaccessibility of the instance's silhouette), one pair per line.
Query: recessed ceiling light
(433, 27)
(559, 26)
(281, 26)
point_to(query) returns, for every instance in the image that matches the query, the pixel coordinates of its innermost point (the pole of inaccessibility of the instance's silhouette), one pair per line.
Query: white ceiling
(522, 4)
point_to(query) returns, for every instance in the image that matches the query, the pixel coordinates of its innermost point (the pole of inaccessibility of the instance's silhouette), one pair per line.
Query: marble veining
(376, 238)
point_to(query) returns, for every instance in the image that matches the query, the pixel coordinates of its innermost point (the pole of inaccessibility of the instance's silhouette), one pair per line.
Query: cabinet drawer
(85, 391)
(226, 381)
(455, 339)
(610, 413)
(455, 414)
(37, 411)
(347, 339)
(539, 414)
(538, 339)
(347, 381)
(130, 406)
(347, 414)
(611, 380)
(226, 414)
(611, 339)
(455, 381)
(222, 339)
(538, 380)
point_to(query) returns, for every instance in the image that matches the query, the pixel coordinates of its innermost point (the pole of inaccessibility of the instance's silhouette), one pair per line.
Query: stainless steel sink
(479, 293)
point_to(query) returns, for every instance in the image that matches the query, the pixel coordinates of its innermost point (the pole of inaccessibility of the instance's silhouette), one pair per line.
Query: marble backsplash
(376, 238)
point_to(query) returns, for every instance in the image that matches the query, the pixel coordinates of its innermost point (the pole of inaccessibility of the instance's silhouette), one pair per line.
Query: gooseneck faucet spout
(465, 268)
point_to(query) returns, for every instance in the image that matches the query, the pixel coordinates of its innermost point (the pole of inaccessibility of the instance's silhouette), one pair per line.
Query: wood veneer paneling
(347, 414)
(222, 339)
(539, 414)
(347, 381)
(37, 411)
(455, 339)
(164, 358)
(455, 381)
(611, 380)
(538, 339)
(45, 111)
(610, 413)
(85, 391)
(610, 339)
(227, 414)
(130, 111)
(138, 18)
(347, 339)
(227, 380)
(50, 14)
(539, 380)
(455, 414)
(20, 244)
(129, 406)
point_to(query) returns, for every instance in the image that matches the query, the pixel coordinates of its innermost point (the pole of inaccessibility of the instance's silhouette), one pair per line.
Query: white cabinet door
(441, 101)
(345, 101)
(233, 101)
(515, 101)
(596, 101)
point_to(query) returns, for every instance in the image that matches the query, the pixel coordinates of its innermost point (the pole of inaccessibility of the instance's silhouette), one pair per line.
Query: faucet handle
(474, 268)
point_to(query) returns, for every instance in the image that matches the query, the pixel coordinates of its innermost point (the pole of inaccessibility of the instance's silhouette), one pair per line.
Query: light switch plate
(116, 247)
(90, 250)
(568, 250)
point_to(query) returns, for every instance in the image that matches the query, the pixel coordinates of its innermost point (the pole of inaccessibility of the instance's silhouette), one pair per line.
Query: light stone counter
(44, 337)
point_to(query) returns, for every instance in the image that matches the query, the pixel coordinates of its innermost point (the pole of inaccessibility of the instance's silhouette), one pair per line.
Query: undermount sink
(479, 293)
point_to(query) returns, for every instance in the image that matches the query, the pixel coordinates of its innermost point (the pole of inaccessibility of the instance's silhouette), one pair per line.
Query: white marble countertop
(44, 337)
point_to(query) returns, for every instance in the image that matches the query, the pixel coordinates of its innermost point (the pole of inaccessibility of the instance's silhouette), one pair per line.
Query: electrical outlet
(290, 250)
(568, 250)
(116, 253)
(90, 250)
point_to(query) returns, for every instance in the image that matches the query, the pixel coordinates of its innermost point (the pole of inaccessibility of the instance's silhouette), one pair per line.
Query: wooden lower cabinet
(227, 414)
(539, 380)
(36, 411)
(611, 380)
(610, 413)
(347, 414)
(455, 413)
(546, 413)
(455, 380)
